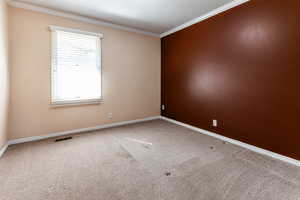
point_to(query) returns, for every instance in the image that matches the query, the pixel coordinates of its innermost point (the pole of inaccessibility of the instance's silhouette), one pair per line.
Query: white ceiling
(155, 16)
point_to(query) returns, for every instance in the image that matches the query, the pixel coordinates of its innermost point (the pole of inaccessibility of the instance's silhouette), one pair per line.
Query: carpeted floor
(154, 160)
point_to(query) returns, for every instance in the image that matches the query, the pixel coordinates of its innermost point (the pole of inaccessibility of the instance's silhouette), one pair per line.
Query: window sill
(76, 103)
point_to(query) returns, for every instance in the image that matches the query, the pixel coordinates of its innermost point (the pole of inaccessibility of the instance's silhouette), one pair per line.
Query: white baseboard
(82, 130)
(202, 131)
(236, 142)
(3, 149)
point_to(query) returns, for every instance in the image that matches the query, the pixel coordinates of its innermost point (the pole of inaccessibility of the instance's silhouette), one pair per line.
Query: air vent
(63, 139)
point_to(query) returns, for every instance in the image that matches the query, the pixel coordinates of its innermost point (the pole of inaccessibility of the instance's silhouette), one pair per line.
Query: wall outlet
(163, 107)
(215, 123)
(109, 115)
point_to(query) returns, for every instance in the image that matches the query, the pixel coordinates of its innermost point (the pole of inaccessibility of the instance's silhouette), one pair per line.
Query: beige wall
(4, 76)
(131, 77)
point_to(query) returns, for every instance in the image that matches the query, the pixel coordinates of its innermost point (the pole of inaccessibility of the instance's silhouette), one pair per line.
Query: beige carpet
(154, 160)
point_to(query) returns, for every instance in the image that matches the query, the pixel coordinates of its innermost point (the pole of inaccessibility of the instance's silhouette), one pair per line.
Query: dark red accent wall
(241, 67)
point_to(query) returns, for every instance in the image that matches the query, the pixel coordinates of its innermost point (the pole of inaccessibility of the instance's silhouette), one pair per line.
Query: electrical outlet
(109, 115)
(163, 107)
(215, 123)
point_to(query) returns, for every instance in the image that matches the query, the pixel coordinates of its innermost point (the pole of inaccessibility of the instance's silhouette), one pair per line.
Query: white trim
(3, 149)
(212, 13)
(76, 102)
(236, 142)
(82, 130)
(202, 131)
(59, 28)
(18, 4)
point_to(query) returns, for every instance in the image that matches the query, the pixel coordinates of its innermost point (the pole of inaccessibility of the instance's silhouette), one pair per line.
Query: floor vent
(63, 139)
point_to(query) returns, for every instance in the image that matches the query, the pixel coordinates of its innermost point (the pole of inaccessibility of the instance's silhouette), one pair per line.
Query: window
(76, 66)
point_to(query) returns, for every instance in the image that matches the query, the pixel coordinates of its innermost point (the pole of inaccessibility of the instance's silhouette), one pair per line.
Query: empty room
(149, 100)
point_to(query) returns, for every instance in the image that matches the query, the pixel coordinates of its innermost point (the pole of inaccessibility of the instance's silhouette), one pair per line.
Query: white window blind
(76, 66)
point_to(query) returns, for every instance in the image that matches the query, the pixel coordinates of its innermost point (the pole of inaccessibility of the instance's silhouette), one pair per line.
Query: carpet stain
(168, 173)
(146, 146)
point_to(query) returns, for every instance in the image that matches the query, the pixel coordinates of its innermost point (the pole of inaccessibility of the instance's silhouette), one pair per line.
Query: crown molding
(212, 13)
(18, 4)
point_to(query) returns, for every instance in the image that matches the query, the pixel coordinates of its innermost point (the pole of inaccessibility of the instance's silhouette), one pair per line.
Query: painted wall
(131, 77)
(4, 73)
(241, 67)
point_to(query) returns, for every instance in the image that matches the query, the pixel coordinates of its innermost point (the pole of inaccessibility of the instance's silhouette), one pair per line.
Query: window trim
(58, 103)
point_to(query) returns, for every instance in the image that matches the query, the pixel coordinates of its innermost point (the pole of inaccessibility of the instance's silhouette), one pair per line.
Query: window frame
(54, 102)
